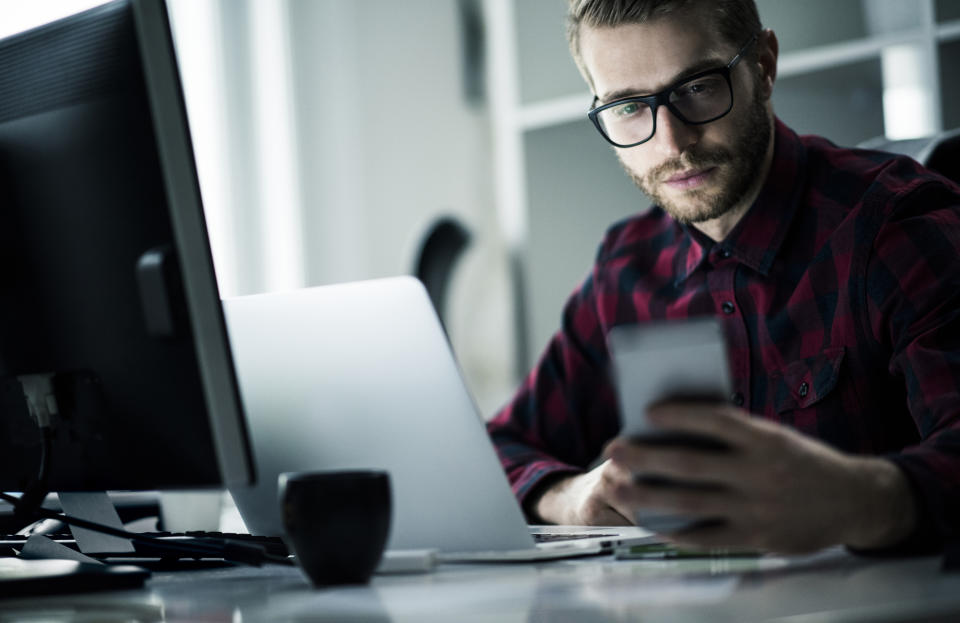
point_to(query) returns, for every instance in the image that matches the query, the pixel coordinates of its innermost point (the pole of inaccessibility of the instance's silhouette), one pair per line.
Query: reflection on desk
(829, 586)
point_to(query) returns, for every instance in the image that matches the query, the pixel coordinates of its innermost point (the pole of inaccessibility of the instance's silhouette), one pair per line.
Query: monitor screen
(110, 317)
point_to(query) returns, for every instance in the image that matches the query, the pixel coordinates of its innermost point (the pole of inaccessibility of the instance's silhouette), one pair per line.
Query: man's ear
(768, 49)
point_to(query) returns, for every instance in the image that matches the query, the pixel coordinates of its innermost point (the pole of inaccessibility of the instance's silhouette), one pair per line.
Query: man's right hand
(586, 499)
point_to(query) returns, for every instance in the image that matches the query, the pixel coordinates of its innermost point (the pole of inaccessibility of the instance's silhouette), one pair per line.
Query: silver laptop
(361, 375)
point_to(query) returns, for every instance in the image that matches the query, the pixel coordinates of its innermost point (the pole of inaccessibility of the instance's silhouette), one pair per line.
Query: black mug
(336, 523)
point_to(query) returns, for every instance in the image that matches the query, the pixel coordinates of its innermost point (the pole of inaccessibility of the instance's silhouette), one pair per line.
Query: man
(835, 274)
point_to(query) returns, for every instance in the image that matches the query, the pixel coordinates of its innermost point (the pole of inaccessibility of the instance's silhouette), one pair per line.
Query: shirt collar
(757, 238)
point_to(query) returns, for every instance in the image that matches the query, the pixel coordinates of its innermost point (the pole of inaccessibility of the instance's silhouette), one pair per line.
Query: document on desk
(657, 560)
(666, 551)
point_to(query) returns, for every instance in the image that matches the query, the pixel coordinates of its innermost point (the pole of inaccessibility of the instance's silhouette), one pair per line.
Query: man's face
(695, 172)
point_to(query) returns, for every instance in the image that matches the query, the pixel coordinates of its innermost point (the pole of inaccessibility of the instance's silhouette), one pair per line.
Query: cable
(46, 454)
(41, 403)
(40, 399)
(231, 551)
(33, 496)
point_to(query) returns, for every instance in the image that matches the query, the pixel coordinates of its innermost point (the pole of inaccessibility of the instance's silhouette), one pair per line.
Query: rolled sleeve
(914, 289)
(565, 409)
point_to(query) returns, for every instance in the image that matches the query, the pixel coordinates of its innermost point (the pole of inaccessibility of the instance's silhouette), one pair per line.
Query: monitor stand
(95, 506)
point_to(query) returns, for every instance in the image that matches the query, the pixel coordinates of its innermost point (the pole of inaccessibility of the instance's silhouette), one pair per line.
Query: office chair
(442, 245)
(940, 153)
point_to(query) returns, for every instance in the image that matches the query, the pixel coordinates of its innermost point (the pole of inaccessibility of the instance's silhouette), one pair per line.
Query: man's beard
(743, 162)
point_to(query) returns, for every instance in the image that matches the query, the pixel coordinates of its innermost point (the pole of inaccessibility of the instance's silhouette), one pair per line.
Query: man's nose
(672, 136)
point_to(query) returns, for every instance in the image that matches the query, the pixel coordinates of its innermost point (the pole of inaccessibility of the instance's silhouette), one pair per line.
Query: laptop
(361, 375)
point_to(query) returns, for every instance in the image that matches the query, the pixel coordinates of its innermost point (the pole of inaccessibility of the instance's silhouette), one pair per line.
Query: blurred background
(339, 140)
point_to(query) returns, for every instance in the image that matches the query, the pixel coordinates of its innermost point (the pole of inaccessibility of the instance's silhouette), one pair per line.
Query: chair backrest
(944, 155)
(940, 153)
(442, 246)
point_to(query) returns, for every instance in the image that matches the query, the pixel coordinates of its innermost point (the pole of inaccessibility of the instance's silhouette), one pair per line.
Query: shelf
(556, 111)
(828, 56)
(948, 31)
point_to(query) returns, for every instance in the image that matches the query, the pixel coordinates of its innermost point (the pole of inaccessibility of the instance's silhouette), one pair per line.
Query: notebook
(359, 376)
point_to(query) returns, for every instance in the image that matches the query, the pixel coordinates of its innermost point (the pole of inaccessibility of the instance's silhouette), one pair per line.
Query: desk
(830, 586)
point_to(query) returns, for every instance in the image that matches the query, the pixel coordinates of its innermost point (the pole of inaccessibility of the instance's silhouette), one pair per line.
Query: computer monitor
(109, 309)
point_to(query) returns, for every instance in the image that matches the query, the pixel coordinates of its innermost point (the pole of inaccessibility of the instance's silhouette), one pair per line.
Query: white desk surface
(830, 586)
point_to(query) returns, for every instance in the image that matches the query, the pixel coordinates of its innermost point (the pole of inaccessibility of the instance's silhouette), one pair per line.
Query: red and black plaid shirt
(839, 293)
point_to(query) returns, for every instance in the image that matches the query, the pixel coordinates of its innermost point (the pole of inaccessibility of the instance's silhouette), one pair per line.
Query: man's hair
(736, 20)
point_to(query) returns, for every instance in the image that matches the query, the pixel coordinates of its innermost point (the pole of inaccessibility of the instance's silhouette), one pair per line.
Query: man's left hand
(774, 490)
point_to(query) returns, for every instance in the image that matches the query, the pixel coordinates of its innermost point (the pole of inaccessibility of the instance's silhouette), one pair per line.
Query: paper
(40, 547)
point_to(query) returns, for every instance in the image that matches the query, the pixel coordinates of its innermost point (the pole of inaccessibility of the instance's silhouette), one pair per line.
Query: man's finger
(614, 510)
(713, 537)
(723, 422)
(677, 462)
(610, 516)
(698, 501)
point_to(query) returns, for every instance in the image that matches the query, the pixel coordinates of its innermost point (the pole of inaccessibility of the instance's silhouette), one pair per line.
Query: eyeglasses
(695, 100)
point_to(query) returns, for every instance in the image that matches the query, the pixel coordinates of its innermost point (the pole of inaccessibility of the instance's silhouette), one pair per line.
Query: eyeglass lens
(698, 100)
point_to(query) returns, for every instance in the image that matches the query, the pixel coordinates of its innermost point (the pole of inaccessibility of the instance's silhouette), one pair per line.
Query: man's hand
(587, 499)
(775, 489)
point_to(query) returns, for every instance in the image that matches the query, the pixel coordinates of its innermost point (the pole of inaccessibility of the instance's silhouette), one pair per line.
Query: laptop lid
(361, 375)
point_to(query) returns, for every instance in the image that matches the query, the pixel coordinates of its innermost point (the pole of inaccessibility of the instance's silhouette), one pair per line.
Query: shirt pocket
(806, 382)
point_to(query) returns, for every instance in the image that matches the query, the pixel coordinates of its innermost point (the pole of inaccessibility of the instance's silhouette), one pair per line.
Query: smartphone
(653, 362)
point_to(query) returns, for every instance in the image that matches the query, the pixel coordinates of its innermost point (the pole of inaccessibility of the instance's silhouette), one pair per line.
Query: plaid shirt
(839, 294)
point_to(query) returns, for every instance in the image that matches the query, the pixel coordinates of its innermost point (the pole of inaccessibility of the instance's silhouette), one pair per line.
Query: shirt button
(725, 253)
(727, 307)
(803, 390)
(737, 399)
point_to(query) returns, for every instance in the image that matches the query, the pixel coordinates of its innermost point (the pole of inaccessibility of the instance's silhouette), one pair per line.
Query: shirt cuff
(534, 480)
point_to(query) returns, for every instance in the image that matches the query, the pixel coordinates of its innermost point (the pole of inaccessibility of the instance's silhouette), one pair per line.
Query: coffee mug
(336, 523)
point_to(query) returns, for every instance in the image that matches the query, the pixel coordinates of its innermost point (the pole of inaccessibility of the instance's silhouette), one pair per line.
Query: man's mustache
(702, 159)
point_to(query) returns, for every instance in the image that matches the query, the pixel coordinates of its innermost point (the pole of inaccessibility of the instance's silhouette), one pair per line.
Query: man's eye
(691, 90)
(700, 88)
(626, 110)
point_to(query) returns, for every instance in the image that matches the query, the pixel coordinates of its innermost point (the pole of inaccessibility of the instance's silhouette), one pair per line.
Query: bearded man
(833, 271)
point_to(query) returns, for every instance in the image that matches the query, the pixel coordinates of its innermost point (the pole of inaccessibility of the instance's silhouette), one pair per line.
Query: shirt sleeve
(913, 289)
(565, 410)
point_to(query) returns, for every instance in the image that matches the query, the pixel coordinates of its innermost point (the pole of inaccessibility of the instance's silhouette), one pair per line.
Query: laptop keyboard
(553, 537)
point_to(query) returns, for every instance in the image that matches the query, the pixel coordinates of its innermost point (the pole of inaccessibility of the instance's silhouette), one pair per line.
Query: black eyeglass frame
(662, 98)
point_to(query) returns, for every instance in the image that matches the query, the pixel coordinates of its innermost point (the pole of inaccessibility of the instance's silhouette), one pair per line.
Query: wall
(384, 140)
